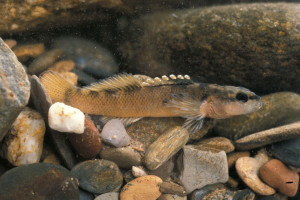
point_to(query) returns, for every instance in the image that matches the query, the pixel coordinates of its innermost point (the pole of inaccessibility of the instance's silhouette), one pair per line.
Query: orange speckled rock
(280, 177)
(142, 188)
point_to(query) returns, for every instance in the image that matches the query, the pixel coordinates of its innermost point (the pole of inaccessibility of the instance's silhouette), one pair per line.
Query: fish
(132, 97)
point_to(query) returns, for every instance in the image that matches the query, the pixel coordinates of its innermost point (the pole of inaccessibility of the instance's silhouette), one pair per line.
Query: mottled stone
(215, 144)
(114, 133)
(98, 176)
(108, 196)
(278, 109)
(42, 103)
(169, 187)
(88, 56)
(142, 188)
(280, 177)
(29, 182)
(241, 44)
(44, 61)
(124, 157)
(247, 169)
(88, 144)
(234, 156)
(165, 146)
(14, 88)
(26, 51)
(269, 136)
(24, 142)
(201, 168)
(287, 151)
(221, 192)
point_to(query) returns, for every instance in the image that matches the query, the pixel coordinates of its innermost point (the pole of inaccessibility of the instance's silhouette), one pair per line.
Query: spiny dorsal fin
(117, 82)
(166, 80)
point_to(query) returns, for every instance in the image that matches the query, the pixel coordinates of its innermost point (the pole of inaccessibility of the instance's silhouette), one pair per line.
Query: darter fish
(131, 97)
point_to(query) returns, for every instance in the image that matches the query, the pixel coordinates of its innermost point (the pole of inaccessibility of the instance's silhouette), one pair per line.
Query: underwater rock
(108, 196)
(250, 45)
(26, 51)
(62, 66)
(88, 56)
(98, 176)
(38, 181)
(278, 109)
(23, 144)
(14, 88)
(215, 144)
(170, 187)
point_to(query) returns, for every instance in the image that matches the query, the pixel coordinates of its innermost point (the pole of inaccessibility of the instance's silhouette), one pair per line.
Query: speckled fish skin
(128, 96)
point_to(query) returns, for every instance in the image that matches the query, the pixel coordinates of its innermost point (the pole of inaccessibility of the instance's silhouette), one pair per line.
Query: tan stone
(142, 188)
(63, 66)
(233, 157)
(216, 143)
(26, 51)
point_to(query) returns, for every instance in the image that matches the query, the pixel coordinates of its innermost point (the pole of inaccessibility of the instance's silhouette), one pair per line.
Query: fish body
(134, 97)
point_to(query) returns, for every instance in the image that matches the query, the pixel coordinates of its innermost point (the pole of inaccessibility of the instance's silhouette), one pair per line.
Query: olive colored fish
(132, 97)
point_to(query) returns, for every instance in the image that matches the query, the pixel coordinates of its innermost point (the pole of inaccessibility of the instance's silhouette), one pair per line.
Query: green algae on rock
(251, 45)
(278, 109)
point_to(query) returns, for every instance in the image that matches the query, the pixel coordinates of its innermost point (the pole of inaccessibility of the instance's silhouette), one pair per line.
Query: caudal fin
(55, 85)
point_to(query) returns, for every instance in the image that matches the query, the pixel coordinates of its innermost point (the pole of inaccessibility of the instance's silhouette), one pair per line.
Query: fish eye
(241, 97)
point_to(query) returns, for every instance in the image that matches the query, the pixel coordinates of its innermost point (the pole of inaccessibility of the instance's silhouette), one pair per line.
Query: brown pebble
(217, 144)
(232, 182)
(233, 157)
(89, 143)
(26, 51)
(10, 43)
(280, 177)
(63, 66)
(142, 188)
(170, 187)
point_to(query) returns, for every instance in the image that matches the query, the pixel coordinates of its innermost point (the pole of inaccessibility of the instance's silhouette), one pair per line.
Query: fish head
(229, 101)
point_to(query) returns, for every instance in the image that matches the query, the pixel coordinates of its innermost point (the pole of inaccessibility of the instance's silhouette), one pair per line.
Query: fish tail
(56, 86)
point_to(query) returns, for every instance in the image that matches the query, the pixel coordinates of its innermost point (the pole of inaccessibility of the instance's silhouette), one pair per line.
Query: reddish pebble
(88, 144)
(280, 177)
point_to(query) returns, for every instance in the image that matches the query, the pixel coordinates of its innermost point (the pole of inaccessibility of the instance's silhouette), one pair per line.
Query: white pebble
(65, 118)
(24, 142)
(114, 133)
(138, 172)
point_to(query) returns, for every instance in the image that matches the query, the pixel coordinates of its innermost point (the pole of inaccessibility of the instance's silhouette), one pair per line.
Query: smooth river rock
(14, 88)
(38, 181)
(250, 45)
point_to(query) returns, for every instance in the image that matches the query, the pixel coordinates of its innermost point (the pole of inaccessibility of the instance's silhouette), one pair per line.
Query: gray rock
(114, 133)
(251, 45)
(42, 103)
(38, 181)
(201, 168)
(88, 56)
(84, 195)
(278, 109)
(124, 157)
(108, 196)
(165, 146)
(14, 88)
(98, 176)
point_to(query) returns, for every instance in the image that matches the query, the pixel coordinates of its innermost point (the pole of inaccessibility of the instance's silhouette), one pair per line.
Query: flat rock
(42, 103)
(287, 151)
(142, 188)
(88, 56)
(201, 168)
(228, 42)
(221, 192)
(24, 142)
(165, 146)
(98, 176)
(247, 169)
(114, 133)
(124, 157)
(88, 144)
(215, 144)
(280, 177)
(108, 196)
(28, 182)
(278, 109)
(14, 87)
(269, 136)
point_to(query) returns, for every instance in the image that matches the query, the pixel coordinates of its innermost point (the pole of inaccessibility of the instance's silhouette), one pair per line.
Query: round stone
(98, 176)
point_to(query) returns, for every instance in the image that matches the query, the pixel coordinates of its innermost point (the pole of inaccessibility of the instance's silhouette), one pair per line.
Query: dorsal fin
(117, 82)
(165, 80)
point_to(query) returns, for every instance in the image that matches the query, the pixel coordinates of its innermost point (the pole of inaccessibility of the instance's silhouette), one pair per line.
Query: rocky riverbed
(53, 151)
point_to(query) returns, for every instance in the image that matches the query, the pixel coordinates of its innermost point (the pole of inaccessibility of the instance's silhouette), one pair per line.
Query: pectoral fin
(193, 124)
